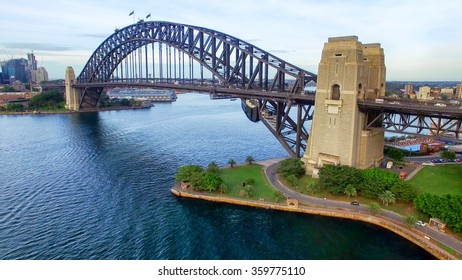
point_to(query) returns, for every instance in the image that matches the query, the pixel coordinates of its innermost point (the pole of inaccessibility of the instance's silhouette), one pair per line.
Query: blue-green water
(97, 186)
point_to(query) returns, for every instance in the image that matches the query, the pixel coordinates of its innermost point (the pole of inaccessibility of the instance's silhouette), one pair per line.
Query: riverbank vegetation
(242, 181)
(436, 192)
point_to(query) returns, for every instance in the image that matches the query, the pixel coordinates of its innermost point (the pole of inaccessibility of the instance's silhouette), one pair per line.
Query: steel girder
(238, 65)
(290, 128)
(434, 125)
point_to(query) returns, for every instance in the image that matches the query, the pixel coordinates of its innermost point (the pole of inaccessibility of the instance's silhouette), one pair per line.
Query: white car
(420, 223)
(440, 105)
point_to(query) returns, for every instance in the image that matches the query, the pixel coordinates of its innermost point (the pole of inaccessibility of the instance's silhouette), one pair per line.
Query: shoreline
(404, 232)
(48, 112)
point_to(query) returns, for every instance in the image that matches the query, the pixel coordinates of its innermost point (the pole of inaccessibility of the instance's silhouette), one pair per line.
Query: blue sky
(422, 40)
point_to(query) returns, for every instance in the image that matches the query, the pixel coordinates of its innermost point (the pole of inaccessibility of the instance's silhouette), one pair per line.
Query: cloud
(102, 36)
(36, 46)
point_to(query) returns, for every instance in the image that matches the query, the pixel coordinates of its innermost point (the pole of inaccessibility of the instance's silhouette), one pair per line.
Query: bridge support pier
(349, 71)
(72, 95)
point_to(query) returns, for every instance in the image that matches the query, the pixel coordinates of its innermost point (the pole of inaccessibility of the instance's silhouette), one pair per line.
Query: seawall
(409, 234)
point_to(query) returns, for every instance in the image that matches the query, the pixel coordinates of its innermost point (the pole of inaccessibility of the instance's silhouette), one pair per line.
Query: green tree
(293, 181)
(196, 181)
(383, 177)
(246, 191)
(396, 154)
(46, 99)
(404, 191)
(278, 196)
(291, 166)
(410, 221)
(185, 172)
(249, 181)
(124, 102)
(249, 160)
(313, 187)
(213, 168)
(350, 191)
(232, 162)
(335, 178)
(374, 207)
(14, 107)
(448, 155)
(223, 188)
(211, 181)
(387, 197)
(447, 207)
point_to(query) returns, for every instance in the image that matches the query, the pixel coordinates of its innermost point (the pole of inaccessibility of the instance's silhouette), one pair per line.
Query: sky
(422, 40)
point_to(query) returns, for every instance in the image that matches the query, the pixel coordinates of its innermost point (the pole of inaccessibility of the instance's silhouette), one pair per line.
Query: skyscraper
(41, 75)
(31, 62)
(15, 68)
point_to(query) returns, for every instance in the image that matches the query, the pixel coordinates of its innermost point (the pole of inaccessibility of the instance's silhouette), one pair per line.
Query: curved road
(433, 233)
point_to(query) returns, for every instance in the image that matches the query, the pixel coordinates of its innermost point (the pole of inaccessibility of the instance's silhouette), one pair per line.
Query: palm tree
(232, 162)
(249, 160)
(374, 207)
(387, 197)
(350, 190)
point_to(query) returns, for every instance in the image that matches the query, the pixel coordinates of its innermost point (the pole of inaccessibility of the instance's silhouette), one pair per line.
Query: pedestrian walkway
(269, 162)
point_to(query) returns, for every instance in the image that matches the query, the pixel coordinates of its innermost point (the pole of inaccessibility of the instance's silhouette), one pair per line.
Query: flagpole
(132, 14)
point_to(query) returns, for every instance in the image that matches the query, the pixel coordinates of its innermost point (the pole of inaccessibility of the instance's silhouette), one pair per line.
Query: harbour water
(97, 186)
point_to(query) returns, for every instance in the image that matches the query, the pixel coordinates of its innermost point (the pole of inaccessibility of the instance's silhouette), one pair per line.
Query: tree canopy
(185, 172)
(291, 166)
(47, 99)
(335, 178)
(448, 208)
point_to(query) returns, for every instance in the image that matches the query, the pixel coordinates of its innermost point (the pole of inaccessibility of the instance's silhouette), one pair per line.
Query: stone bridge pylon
(349, 71)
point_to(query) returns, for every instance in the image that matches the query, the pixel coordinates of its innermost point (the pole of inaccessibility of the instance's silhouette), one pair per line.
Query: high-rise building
(41, 75)
(31, 62)
(15, 68)
(408, 89)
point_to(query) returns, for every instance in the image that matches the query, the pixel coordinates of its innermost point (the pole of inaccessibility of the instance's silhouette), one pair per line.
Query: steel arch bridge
(171, 55)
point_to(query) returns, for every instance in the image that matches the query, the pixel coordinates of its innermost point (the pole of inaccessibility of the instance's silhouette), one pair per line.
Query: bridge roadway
(307, 99)
(401, 106)
(433, 233)
(426, 109)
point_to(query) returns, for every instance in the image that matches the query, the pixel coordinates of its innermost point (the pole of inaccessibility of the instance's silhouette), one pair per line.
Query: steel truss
(289, 127)
(423, 122)
(128, 57)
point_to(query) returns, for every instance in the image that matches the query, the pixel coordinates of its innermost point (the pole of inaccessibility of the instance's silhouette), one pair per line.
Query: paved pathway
(431, 232)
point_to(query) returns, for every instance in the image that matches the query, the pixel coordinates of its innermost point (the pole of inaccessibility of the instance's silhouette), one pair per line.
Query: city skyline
(420, 38)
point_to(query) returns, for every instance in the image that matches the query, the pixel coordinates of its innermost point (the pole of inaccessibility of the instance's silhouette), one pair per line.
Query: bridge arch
(236, 67)
(234, 62)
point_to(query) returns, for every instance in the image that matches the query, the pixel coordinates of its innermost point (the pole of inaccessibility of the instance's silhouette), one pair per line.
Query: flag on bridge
(148, 16)
(131, 13)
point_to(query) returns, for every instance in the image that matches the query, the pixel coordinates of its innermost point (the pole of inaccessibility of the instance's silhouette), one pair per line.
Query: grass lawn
(234, 177)
(439, 180)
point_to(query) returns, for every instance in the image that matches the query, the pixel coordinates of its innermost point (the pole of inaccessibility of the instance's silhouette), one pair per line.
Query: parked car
(355, 203)
(440, 105)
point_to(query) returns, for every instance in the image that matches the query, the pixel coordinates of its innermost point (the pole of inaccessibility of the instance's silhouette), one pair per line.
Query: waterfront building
(16, 68)
(424, 93)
